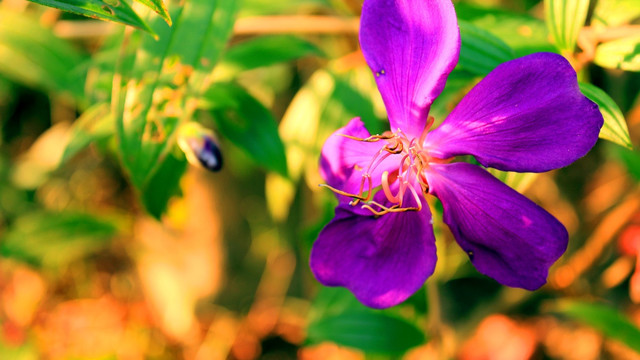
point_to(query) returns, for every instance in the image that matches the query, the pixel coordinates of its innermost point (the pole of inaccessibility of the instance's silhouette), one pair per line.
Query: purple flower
(527, 115)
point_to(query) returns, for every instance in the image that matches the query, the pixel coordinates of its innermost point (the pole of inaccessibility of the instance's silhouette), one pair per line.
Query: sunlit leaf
(615, 12)
(159, 7)
(268, 50)
(565, 18)
(32, 55)
(603, 318)
(112, 10)
(162, 82)
(372, 332)
(55, 239)
(615, 127)
(621, 54)
(481, 51)
(245, 122)
(96, 123)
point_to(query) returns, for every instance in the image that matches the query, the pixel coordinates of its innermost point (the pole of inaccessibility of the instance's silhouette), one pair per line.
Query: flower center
(408, 179)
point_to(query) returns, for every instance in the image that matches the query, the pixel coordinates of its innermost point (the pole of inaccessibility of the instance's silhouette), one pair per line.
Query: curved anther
(385, 210)
(372, 138)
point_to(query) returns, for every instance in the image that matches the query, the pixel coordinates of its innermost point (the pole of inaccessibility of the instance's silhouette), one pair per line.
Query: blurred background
(114, 246)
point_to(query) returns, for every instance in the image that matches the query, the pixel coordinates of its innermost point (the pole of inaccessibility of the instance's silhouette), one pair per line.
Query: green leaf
(111, 10)
(481, 51)
(162, 82)
(32, 55)
(609, 13)
(159, 7)
(95, 124)
(164, 184)
(522, 33)
(621, 54)
(565, 18)
(615, 128)
(372, 332)
(245, 122)
(268, 50)
(609, 321)
(55, 239)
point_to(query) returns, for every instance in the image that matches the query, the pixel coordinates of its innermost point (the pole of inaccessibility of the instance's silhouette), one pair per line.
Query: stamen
(409, 174)
(387, 189)
(385, 210)
(372, 138)
(355, 196)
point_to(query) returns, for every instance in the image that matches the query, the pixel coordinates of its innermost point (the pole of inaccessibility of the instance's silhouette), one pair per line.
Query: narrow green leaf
(96, 123)
(565, 18)
(111, 10)
(162, 82)
(245, 122)
(268, 50)
(55, 239)
(159, 7)
(621, 54)
(32, 55)
(372, 332)
(609, 321)
(615, 127)
(481, 51)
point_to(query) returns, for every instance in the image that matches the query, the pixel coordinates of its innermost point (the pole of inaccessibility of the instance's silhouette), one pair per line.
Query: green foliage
(159, 7)
(245, 122)
(55, 239)
(615, 127)
(33, 55)
(373, 332)
(268, 50)
(522, 33)
(621, 54)
(112, 10)
(95, 124)
(481, 51)
(603, 318)
(162, 83)
(615, 12)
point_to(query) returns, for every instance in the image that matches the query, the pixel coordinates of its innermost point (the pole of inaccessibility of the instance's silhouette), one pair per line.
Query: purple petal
(382, 260)
(345, 160)
(411, 46)
(527, 115)
(506, 235)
